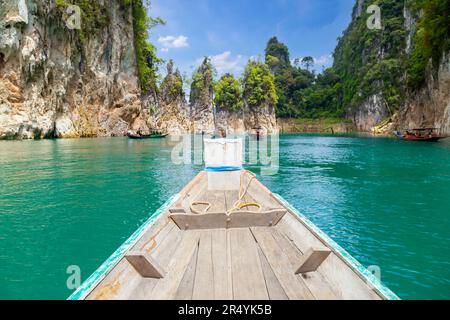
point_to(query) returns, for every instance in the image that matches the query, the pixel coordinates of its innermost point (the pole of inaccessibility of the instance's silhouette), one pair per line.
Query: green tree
(277, 55)
(308, 62)
(259, 85)
(146, 58)
(202, 87)
(228, 93)
(172, 86)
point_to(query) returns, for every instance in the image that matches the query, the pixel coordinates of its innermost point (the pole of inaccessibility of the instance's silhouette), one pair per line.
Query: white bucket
(223, 161)
(220, 153)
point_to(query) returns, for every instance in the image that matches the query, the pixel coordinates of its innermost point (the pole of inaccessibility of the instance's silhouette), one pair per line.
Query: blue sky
(232, 31)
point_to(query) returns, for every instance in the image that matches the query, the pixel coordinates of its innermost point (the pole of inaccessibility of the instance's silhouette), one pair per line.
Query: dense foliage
(146, 58)
(432, 37)
(172, 86)
(301, 93)
(94, 16)
(228, 93)
(370, 61)
(259, 85)
(277, 55)
(202, 87)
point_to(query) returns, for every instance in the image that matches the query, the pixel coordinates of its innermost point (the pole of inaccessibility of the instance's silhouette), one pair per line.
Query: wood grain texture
(248, 277)
(167, 287)
(280, 264)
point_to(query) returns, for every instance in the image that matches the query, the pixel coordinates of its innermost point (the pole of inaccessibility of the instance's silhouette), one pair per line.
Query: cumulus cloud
(227, 63)
(324, 60)
(173, 42)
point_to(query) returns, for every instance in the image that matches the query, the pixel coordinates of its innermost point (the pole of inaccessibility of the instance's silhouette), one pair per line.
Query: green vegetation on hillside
(93, 17)
(371, 61)
(432, 38)
(146, 58)
(302, 93)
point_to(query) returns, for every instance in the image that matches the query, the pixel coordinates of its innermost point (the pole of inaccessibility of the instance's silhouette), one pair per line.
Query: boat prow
(242, 244)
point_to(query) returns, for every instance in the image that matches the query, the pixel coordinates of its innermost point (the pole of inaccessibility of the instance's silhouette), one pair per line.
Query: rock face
(245, 120)
(178, 117)
(429, 107)
(370, 113)
(55, 84)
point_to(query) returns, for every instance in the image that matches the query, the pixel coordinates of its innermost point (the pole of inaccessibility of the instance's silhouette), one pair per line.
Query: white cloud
(324, 60)
(172, 42)
(227, 63)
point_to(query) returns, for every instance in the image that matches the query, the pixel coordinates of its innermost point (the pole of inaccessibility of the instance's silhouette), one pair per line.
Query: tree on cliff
(146, 58)
(228, 93)
(259, 85)
(202, 87)
(172, 86)
(277, 55)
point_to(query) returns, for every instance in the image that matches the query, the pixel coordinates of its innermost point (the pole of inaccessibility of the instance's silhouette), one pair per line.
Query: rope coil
(238, 205)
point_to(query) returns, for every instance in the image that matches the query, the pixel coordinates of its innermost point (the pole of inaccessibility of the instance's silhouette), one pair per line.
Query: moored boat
(140, 136)
(423, 134)
(232, 239)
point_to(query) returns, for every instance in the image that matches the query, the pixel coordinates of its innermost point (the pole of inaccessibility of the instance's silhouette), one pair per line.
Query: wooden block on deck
(312, 260)
(244, 219)
(145, 265)
(200, 221)
(248, 219)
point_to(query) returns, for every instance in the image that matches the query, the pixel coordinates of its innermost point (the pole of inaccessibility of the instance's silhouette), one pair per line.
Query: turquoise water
(73, 202)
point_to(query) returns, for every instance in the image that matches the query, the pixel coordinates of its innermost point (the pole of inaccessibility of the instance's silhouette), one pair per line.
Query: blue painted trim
(112, 261)
(367, 275)
(223, 168)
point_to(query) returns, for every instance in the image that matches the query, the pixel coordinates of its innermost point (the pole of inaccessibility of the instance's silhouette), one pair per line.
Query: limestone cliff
(59, 82)
(375, 66)
(430, 105)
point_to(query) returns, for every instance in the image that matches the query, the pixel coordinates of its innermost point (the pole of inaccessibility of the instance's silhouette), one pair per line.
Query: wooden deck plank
(151, 240)
(274, 288)
(204, 274)
(167, 287)
(221, 266)
(280, 264)
(345, 282)
(230, 199)
(186, 288)
(316, 283)
(248, 278)
(215, 198)
(162, 254)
